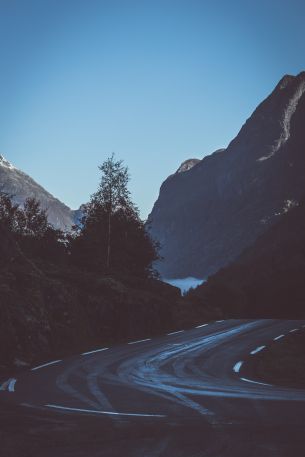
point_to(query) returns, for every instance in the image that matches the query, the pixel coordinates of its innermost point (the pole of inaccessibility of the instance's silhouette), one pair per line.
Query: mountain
(21, 186)
(207, 214)
(267, 280)
(187, 165)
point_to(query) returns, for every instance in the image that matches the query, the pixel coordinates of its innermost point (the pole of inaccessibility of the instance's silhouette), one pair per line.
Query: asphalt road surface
(186, 394)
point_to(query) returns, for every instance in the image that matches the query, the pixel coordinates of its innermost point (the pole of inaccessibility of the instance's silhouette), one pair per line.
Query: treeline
(110, 238)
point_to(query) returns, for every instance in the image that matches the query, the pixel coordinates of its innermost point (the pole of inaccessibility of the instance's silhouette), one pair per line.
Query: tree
(112, 237)
(29, 220)
(29, 226)
(10, 213)
(38, 237)
(112, 196)
(35, 219)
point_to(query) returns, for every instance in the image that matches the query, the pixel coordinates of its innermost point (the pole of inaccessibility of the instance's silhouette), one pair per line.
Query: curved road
(188, 394)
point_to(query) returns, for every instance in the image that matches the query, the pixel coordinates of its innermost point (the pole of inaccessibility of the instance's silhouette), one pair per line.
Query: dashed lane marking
(175, 333)
(202, 325)
(45, 365)
(9, 385)
(95, 350)
(140, 341)
(278, 337)
(260, 348)
(237, 366)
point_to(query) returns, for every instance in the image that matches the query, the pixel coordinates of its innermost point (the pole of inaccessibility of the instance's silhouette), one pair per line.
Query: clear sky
(155, 81)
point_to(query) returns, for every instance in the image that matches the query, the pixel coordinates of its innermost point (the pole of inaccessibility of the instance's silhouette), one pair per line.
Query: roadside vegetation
(109, 239)
(66, 292)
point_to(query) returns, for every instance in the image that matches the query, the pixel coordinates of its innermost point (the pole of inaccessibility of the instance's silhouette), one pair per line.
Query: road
(186, 394)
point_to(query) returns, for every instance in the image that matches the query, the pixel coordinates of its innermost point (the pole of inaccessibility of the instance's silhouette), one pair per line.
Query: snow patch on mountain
(5, 163)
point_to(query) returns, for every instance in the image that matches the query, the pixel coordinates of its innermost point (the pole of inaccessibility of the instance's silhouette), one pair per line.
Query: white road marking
(260, 348)
(202, 325)
(103, 412)
(175, 333)
(293, 330)
(278, 337)
(221, 321)
(4, 385)
(140, 341)
(237, 366)
(11, 386)
(95, 350)
(256, 382)
(45, 365)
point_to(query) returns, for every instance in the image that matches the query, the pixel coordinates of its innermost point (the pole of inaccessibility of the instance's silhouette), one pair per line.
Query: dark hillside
(268, 279)
(49, 310)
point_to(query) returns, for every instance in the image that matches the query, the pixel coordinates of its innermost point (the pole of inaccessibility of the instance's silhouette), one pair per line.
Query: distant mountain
(208, 213)
(267, 280)
(21, 186)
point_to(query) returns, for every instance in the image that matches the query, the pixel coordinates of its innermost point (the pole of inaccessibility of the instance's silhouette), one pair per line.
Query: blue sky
(156, 82)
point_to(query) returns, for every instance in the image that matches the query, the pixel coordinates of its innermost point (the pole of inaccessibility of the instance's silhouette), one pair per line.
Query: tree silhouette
(30, 228)
(112, 195)
(10, 214)
(112, 237)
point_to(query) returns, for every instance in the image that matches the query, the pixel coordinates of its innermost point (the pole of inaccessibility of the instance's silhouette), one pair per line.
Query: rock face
(206, 215)
(187, 165)
(21, 186)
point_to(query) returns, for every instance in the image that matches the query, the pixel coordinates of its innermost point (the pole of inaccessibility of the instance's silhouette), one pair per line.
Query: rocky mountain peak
(5, 163)
(203, 219)
(187, 165)
(283, 83)
(294, 88)
(288, 79)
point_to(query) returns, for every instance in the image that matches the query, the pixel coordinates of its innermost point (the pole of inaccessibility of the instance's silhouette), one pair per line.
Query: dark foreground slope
(208, 214)
(48, 311)
(267, 280)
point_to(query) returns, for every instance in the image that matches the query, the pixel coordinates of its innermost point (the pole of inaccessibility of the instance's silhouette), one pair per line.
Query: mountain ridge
(205, 217)
(21, 186)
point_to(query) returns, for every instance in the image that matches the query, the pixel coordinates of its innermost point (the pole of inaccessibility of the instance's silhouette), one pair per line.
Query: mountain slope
(205, 216)
(267, 280)
(21, 186)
